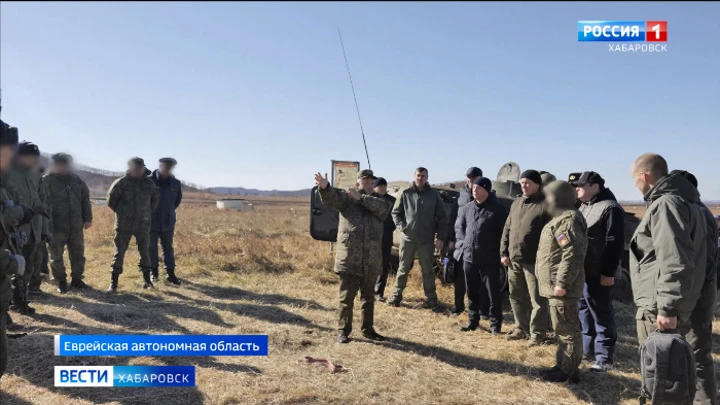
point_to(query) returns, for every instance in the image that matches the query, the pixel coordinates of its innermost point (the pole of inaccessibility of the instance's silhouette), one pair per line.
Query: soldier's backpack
(667, 367)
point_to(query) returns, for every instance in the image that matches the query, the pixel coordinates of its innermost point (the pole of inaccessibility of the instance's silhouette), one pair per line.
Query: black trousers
(460, 288)
(484, 281)
(381, 283)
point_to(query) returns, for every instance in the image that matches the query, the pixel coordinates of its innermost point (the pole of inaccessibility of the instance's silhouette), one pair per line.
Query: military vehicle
(324, 222)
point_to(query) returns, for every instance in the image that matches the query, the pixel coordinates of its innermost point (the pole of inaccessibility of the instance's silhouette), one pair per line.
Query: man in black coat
(478, 230)
(164, 218)
(605, 220)
(380, 188)
(464, 197)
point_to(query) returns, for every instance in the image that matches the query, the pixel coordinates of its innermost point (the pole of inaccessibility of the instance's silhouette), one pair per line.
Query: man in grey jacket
(420, 215)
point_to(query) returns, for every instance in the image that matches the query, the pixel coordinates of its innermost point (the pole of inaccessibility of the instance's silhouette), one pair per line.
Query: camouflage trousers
(75, 242)
(529, 308)
(3, 343)
(698, 332)
(32, 254)
(565, 316)
(349, 287)
(426, 255)
(122, 242)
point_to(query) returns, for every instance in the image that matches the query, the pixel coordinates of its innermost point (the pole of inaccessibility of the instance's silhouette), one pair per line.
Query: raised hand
(321, 181)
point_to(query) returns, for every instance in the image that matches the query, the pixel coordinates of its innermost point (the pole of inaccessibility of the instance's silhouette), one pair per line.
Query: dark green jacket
(563, 245)
(521, 234)
(360, 231)
(420, 214)
(668, 250)
(24, 185)
(133, 200)
(68, 202)
(8, 266)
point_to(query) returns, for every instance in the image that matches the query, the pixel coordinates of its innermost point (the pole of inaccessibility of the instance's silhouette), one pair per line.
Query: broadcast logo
(645, 36)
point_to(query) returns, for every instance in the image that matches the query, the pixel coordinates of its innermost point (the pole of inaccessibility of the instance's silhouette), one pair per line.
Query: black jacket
(163, 217)
(464, 197)
(606, 234)
(478, 230)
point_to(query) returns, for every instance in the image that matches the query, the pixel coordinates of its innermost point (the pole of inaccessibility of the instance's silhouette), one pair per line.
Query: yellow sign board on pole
(344, 174)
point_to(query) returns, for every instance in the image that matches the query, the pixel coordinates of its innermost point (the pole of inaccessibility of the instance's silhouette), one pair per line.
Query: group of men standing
(52, 211)
(561, 243)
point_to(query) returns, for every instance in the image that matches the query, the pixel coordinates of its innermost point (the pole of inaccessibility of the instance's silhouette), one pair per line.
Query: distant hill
(99, 181)
(257, 193)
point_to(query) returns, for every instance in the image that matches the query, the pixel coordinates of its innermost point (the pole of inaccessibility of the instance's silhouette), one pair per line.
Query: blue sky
(257, 95)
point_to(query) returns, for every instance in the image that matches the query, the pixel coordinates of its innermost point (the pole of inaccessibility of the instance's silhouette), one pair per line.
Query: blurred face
(165, 169)
(6, 155)
(718, 223)
(550, 199)
(136, 170)
(479, 193)
(421, 179)
(529, 187)
(470, 180)
(61, 168)
(365, 185)
(587, 192)
(381, 190)
(642, 182)
(28, 161)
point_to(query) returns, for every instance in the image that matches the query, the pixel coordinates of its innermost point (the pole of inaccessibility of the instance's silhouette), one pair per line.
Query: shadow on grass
(7, 399)
(592, 388)
(234, 293)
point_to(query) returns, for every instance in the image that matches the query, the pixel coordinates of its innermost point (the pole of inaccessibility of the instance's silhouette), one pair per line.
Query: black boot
(113, 283)
(172, 278)
(471, 326)
(154, 274)
(147, 283)
(62, 287)
(79, 284)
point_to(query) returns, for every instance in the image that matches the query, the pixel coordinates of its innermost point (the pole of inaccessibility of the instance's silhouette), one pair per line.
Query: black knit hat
(380, 181)
(26, 148)
(532, 175)
(483, 182)
(474, 172)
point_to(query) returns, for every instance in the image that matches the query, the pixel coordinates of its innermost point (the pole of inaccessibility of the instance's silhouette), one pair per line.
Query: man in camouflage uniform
(68, 201)
(358, 258)
(560, 273)
(132, 197)
(23, 183)
(11, 263)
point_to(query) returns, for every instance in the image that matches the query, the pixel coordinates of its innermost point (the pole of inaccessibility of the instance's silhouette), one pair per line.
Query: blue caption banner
(124, 376)
(161, 345)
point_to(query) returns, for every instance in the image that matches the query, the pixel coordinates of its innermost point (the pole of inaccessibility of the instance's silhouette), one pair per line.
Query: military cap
(8, 135)
(169, 160)
(379, 182)
(367, 173)
(474, 172)
(573, 177)
(136, 161)
(26, 148)
(589, 178)
(61, 158)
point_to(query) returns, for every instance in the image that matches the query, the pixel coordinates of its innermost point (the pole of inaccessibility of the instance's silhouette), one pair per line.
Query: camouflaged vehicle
(324, 222)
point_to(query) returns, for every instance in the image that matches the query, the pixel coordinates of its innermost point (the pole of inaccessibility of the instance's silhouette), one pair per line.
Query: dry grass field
(260, 272)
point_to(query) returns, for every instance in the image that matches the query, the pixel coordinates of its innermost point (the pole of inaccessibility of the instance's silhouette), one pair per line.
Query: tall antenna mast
(347, 65)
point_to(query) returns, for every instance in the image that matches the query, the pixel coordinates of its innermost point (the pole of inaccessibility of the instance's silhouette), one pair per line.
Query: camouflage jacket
(133, 200)
(561, 255)
(8, 267)
(68, 202)
(360, 232)
(24, 186)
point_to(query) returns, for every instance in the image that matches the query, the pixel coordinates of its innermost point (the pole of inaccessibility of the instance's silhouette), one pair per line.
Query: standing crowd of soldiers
(42, 214)
(561, 244)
